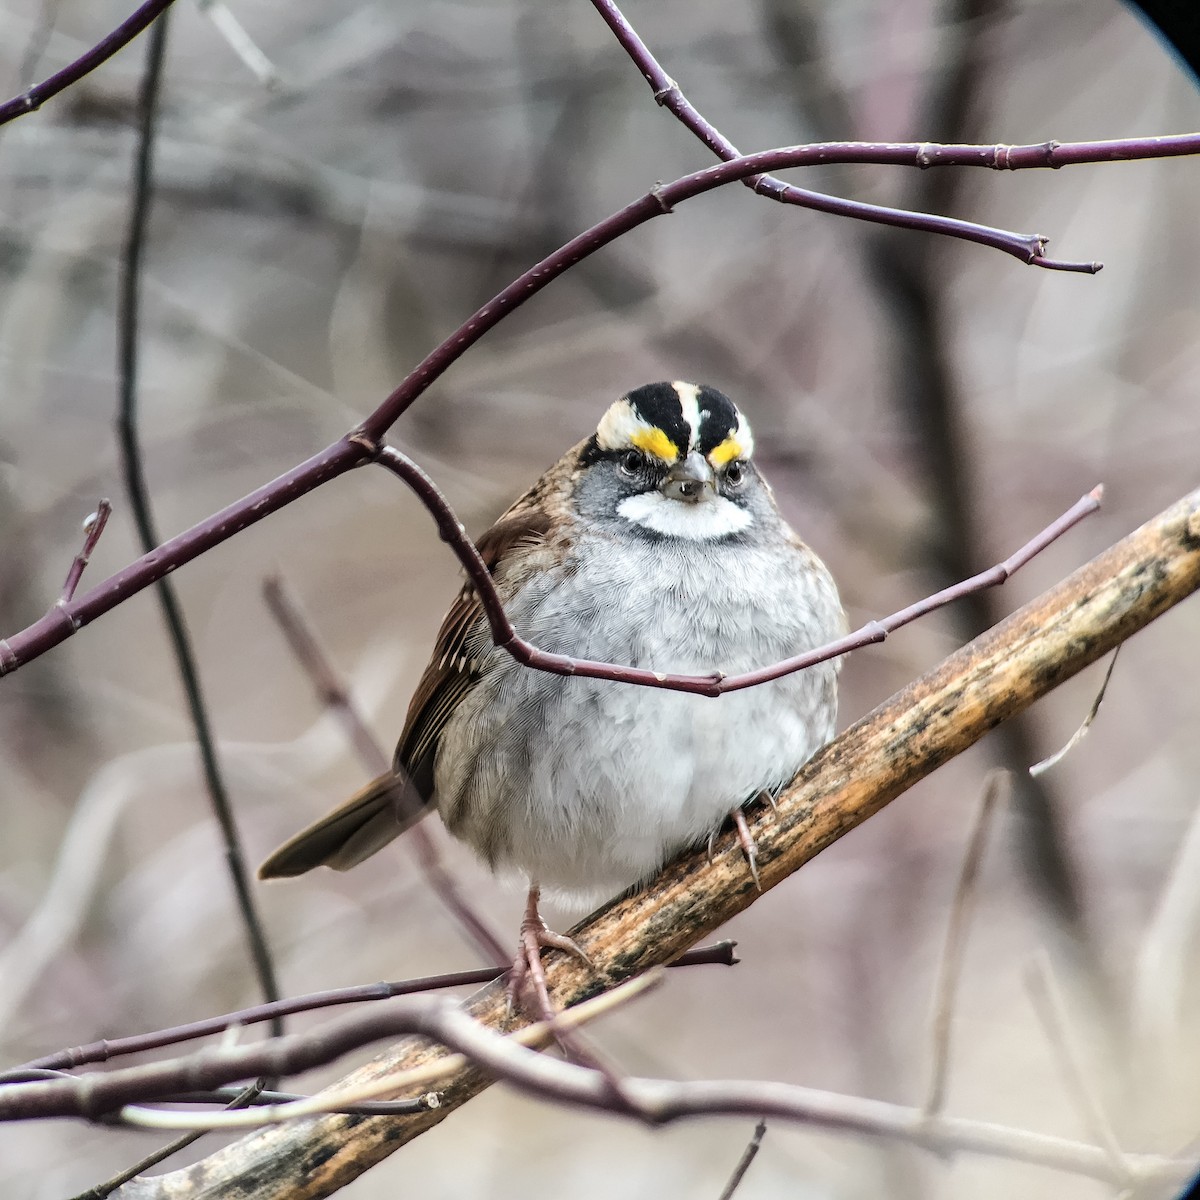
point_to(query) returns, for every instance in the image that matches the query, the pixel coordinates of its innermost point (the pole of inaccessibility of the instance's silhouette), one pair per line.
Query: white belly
(587, 786)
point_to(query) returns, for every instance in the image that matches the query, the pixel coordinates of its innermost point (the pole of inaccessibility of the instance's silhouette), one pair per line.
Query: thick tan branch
(930, 721)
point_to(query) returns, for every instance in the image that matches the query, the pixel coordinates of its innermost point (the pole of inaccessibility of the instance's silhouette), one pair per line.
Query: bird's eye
(631, 463)
(735, 474)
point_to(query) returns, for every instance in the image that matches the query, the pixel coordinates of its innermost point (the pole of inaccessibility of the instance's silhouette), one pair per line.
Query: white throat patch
(712, 518)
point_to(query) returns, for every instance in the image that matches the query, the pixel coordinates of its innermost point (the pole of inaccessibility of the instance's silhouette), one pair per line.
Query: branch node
(658, 195)
(373, 446)
(61, 605)
(663, 94)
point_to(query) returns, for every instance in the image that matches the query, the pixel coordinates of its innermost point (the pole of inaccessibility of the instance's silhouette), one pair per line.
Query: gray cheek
(600, 491)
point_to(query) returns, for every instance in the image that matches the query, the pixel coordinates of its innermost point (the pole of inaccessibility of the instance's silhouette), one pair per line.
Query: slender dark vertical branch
(139, 498)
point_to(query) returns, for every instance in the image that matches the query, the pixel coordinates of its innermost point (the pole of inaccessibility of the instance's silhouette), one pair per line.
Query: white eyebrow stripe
(689, 406)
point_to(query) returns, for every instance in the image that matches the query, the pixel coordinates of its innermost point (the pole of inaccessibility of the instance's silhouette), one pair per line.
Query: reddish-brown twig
(34, 97)
(1028, 247)
(93, 527)
(100, 1093)
(653, 1101)
(717, 953)
(506, 637)
(360, 445)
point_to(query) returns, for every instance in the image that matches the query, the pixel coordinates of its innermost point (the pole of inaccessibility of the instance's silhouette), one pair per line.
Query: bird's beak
(690, 480)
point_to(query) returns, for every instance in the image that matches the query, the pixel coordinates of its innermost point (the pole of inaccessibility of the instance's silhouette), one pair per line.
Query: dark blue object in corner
(1177, 23)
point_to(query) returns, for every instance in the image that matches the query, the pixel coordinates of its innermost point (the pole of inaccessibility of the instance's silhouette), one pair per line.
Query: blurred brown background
(310, 242)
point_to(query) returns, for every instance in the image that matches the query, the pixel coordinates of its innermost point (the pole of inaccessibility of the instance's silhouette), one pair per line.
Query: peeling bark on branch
(930, 721)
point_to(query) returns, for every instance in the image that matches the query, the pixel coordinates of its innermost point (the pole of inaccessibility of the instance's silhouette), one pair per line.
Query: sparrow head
(673, 459)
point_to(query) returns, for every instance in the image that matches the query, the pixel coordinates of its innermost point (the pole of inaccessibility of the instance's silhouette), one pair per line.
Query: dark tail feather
(370, 819)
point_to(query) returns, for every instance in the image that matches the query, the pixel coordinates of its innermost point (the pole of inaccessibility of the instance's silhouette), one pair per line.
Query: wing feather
(390, 804)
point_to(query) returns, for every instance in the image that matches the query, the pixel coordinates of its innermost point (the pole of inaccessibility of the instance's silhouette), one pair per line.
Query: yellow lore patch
(726, 452)
(653, 441)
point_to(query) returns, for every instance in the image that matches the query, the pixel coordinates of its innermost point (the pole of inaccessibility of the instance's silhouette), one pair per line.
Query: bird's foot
(766, 796)
(745, 838)
(746, 841)
(527, 969)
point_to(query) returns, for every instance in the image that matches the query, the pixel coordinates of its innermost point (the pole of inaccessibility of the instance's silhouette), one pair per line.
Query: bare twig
(563, 1029)
(93, 527)
(34, 97)
(1028, 247)
(505, 636)
(332, 691)
(139, 498)
(961, 911)
(934, 718)
(659, 1102)
(361, 444)
(1054, 759)
(748, 1156)
(99, 1094)
(652, 1101)
(719, 953)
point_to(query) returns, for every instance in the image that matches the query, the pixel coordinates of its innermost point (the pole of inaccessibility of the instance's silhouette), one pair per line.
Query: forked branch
(362, 444)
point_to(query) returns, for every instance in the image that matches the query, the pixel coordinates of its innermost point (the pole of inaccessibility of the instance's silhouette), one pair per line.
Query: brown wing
(452, 668)
(390, 804)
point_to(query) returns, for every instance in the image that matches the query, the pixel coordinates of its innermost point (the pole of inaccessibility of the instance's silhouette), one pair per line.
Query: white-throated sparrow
(654, 543)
